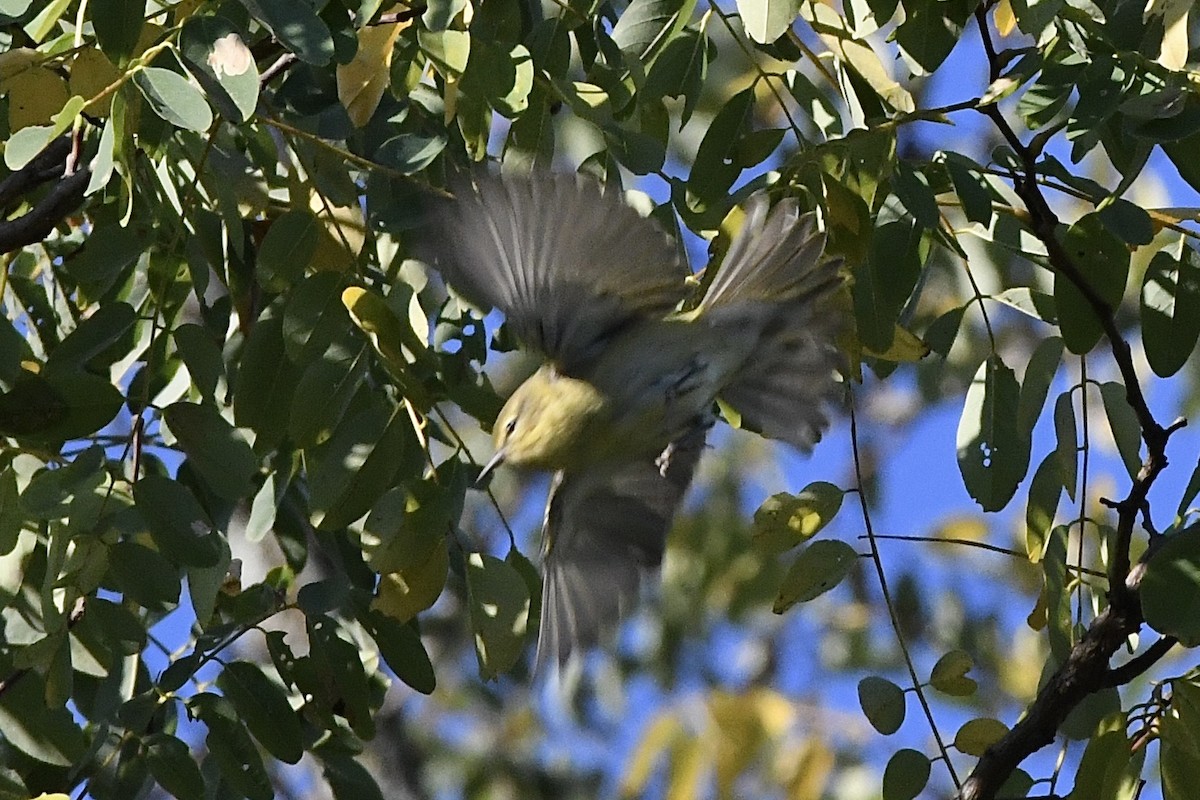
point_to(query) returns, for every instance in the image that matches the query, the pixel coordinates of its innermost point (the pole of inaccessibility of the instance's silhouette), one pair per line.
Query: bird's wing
(777, 279)
(567, 262)
(605, 527)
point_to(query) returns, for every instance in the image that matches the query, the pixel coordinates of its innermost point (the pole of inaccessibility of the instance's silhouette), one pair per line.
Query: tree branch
(36, 224)
(1086, 669)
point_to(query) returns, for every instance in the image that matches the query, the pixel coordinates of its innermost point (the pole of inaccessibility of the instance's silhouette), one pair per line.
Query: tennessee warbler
(620, 410)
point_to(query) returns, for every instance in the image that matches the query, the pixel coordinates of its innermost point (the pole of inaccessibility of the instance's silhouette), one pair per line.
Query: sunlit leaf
(499, 605)
(1170, 309)
(785, 520)
(977, 735)
(819, 567)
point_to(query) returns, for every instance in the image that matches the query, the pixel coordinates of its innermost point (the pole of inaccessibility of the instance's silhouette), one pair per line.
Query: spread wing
(604, 528)
(567, 262)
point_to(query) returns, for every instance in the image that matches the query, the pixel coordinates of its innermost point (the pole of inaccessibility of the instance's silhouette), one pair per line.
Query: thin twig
(877, 560)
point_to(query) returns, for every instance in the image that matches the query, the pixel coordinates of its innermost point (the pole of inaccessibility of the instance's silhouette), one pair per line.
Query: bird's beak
(496, 461)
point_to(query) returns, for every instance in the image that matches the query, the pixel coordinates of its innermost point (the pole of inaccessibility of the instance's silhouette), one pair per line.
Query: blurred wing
(777, 278)
(604, 527)
(567, 263)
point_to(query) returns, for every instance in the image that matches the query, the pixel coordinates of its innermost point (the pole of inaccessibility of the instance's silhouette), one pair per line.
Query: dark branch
(1119, 676)
(1086, 669)
(36, 224)
(45, 166)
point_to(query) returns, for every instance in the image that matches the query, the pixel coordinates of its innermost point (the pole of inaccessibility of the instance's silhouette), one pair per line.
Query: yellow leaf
(1174, 50)
(965, 528)
(34, 97)
(906, 347)
(691, 764)
(92, 73)
(362, 82)
(402, 595)
(1006, 20)
(812, 766)
(341, 237)
(977, 735)
(660, 734)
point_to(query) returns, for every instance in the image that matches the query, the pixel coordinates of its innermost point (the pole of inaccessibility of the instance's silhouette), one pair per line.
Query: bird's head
(548, 423)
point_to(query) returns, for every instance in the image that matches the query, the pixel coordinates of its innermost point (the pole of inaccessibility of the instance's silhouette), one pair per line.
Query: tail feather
(776, 273)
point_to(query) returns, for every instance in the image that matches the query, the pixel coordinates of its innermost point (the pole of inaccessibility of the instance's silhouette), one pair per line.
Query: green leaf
(912, 190)
(645, 26)
(230, 746)
(767, 20)
(1171, 588)
(972, 189)
(906, 774)
(297, 27)
(322, 397)
(204, 583)
(883, 703)
(144, 576)
(499, 607)
(340, 669)
(819, 567)
(784, 521)
(47, 734)
(401, 647)
(1091, 715)
(315, 322)
(222, 63)
(173, 98)
(181, 530)
(1109, 770)
(989, 449)
(715, 168)
(1035, 304)
(1179, 756)
(927, 37)
(1035, 385)
(679, 70)
(949, 675)
(1045, 491)
(351, 471)
(58, 407)
(118, 25)
(1103, 261)
(1189, 494)
(215, 449)
(98, 341)
(881, 290)
(1126, 431)
(263, 706)
(410, 153)
(287, 249)
(266, 383)
(449, 50)
(348, 779)
(977, 735)
(109, 252)
(1066, 442)
(1170, 310)
(200, 353)
(173, 766)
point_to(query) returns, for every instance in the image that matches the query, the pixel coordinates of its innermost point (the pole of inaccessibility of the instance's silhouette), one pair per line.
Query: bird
(634, 364)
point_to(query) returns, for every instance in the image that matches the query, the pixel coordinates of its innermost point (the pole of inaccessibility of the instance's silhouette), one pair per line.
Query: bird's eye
(510, 426)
